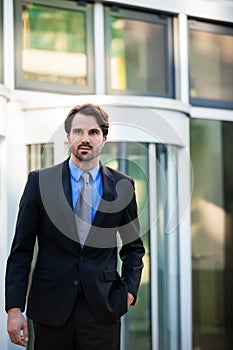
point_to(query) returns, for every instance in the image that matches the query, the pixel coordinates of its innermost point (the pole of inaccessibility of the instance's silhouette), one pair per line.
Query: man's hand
(130, 299)
(17, 327)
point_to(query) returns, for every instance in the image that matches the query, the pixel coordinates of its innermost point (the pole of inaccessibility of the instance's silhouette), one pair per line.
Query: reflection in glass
(132, 158)
(138, 56)
(54, 45)
(211, 65)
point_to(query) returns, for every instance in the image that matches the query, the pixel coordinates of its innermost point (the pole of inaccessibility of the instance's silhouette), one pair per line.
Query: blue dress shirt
(77, 184)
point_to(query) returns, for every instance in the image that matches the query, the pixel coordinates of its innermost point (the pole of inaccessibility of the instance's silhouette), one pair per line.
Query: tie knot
(86, 178)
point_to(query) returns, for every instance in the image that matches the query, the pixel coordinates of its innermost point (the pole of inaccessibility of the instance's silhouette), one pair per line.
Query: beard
(86, 155)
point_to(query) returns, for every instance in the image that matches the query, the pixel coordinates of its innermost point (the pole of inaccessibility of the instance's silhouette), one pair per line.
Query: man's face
(86, 138)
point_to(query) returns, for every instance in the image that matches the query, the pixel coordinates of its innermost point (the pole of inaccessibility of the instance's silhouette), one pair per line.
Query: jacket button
(75, 282)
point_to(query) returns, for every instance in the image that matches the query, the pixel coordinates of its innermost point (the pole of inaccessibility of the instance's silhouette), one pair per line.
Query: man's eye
(93, 132)
(78, 131)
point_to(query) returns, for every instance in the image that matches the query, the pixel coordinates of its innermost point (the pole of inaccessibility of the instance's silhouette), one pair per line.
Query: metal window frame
(145, 17)
(1, 41)
(55, 87)
(219, 29)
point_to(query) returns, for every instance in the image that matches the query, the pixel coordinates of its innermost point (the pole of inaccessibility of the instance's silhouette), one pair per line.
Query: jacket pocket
(41, 274)
(117, 293)
(111, 275)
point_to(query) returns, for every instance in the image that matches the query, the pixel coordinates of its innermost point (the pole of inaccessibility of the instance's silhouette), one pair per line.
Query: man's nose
(85, 137)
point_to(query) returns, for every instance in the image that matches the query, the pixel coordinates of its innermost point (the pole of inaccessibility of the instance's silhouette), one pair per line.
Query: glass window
(1, 41)
(40, 155)
(138, 50)
(211, 64)
(212, 234)
(53, 48)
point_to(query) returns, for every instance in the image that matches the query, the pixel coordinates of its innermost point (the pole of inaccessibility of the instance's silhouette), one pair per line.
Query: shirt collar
(76, 172)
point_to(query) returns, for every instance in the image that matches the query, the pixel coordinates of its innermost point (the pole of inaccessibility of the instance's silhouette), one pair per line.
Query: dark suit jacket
(46, 213)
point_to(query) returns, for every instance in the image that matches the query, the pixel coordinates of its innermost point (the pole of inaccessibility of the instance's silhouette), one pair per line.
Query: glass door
(132, 159)
(155, 322)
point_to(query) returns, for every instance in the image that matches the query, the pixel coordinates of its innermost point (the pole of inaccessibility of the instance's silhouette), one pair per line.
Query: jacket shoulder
(48, 170)
(116, 174)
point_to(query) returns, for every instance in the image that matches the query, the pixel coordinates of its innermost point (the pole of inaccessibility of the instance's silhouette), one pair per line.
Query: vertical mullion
(185, 253)
(172, 252)
(153, 245)
(8, 43)
(183, 57)
(162, 202)
(99, 49)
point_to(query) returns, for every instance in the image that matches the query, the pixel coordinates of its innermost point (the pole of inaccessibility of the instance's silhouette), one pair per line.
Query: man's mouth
(84, 148)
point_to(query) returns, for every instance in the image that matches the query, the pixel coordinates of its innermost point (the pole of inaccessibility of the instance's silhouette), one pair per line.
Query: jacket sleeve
(21, 254)
(132, 250)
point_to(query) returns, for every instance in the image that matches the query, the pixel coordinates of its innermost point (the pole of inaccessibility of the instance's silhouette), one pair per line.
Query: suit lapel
(65, 197)
(66, 183)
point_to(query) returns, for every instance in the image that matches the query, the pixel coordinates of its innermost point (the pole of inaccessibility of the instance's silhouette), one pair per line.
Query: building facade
(163, 70)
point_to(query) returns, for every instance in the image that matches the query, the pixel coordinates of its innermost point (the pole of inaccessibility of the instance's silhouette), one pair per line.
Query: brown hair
(88, 109)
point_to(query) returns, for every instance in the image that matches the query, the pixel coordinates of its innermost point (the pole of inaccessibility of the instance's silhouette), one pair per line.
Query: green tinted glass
(54, 45)
(138, 56)
(212, 239)
(211, 65)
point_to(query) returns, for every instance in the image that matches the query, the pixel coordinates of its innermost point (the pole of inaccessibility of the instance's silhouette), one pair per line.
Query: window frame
(151, 17)
(194, 24)
(1, 41)
(23, 84)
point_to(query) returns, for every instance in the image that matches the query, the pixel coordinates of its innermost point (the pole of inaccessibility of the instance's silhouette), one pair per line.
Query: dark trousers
(82, 331)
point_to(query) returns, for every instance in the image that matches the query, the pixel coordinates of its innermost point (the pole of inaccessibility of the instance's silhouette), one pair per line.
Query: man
(76, 296)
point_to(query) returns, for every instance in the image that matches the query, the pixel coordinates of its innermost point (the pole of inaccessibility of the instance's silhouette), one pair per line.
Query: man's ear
(68, 138)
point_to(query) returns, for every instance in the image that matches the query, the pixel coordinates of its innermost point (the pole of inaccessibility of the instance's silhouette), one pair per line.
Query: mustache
(85, 145)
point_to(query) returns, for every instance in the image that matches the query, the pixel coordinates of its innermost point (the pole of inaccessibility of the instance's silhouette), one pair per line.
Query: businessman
(74, 210)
